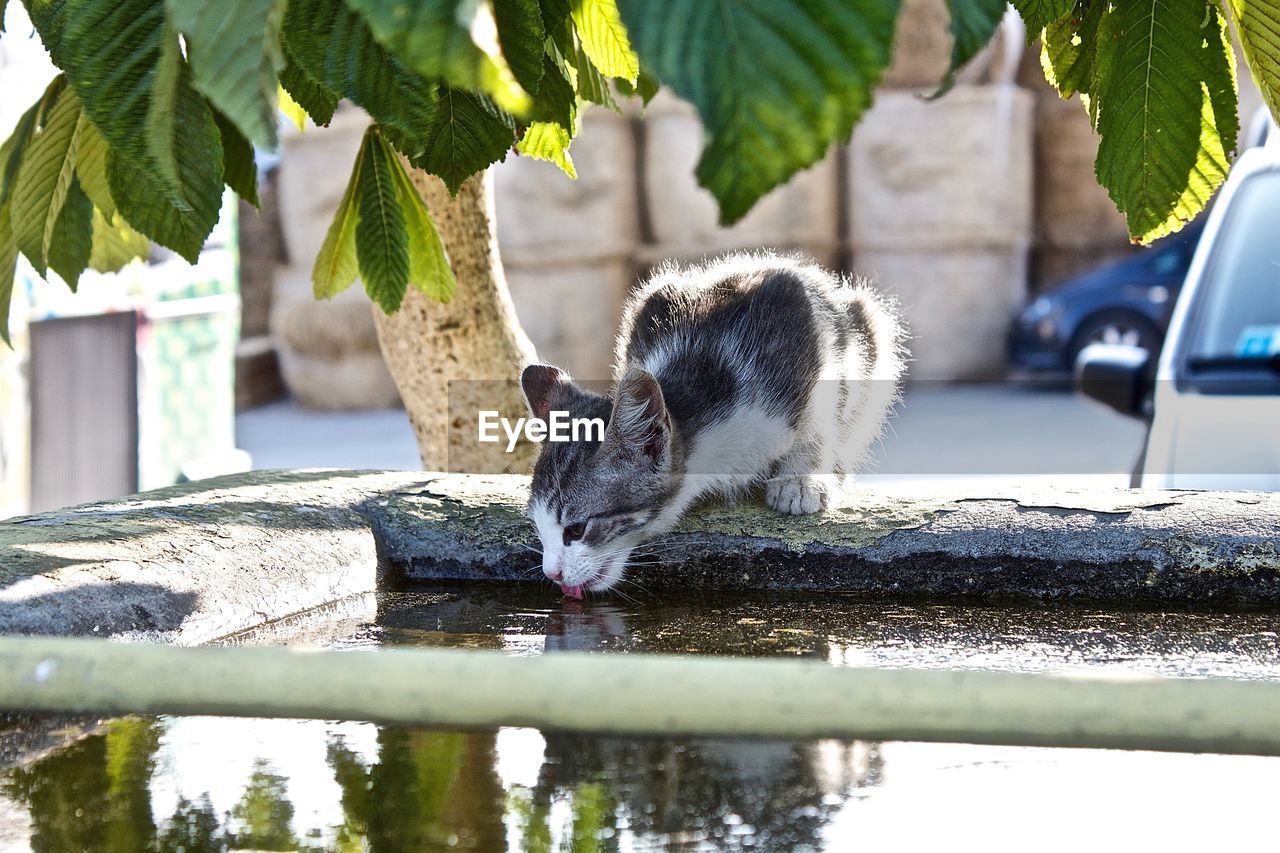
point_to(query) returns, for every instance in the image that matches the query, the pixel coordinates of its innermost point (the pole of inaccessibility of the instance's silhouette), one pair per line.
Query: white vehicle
(1214, 403)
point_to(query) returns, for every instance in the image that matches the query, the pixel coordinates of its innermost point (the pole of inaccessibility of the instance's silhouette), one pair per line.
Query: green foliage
(1070, 45)
(429, 269)
(44, 180)
(382, 240)
(765, 120)
(1258, 25)
(8, 260)
(544, 140)
(1038, 14)
(382, 229)
(114, 243)
(1158, 80)
(91, 166)
(604, 39)
(238, 163)
(111, 53)
(334, 47)
(307, 94)
(237, 45)
(264, 813)
(466, 134)
(521, 34)
(180, 216)
(434, 38)
(138, 138)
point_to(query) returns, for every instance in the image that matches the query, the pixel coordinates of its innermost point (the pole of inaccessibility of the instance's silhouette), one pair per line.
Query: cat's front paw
(796, 495)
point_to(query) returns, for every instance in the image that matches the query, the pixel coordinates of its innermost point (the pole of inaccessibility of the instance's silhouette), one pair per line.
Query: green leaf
(1165, 106)
(336, 266)
(162, 143)
(91, 165)
(240, 169)
(306, 94)
(110, 50)
(15, 147)
(1070, 48)
(776, 82)
(44, 178)
(521, 34)
(292, 110)
(604, 38)
(555, 14)
(234, 47)
(71, 237)
(429, 269)
(180, 220)
(115, 244)
(1038, 14)
(8, 266)
(548, 141)
(567, 54)
(434, 38)
(646, 87)
(556, 100)
(333, 46)
(467, 133)
(973, 23)
(382, 240)
(1258, 25)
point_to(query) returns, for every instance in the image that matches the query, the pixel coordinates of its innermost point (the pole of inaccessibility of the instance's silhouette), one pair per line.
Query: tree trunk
(451, 361)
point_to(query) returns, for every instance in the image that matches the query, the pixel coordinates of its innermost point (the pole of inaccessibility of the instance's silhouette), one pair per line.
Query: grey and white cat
(748, 370)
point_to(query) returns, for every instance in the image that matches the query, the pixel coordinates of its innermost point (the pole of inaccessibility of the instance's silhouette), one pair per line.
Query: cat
(749, 369)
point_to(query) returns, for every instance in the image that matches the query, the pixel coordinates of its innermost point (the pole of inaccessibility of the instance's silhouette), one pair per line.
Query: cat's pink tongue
(571, 591)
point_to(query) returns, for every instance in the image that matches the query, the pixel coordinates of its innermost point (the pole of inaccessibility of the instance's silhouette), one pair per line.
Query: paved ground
(1006, 431)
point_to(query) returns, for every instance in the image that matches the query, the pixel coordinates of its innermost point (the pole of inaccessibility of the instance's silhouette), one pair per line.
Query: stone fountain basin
(193, 563)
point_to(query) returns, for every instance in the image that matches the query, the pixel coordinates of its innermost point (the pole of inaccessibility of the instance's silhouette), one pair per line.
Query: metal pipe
(643, 695)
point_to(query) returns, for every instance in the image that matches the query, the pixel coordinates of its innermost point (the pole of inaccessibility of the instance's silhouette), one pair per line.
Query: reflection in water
(92, 795)
(205, 784)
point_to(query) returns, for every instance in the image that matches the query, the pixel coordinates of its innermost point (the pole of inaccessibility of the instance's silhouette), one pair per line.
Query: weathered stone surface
(801, 214)
(1119, 546)
(544, 218)
(571, 311)
(907, 189)
(193, 563)
(328, 349)
(921, 45)
(950, 242)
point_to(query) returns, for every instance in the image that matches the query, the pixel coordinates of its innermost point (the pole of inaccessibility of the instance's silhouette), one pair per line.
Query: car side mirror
(1117, 375)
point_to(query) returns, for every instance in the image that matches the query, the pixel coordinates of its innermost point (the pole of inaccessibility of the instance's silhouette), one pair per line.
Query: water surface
(202, 783)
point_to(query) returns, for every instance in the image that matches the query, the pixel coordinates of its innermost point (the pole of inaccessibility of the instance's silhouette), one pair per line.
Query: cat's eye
(574, 532)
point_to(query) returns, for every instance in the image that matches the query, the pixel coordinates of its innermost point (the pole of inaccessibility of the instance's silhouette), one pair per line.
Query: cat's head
(596, 499)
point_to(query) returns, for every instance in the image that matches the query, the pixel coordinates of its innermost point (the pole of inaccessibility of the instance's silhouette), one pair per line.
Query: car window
(1239, 304)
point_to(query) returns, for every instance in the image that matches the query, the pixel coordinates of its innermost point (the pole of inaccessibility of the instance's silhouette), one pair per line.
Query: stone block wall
(934, 200)
(962, 208)
(940, 217)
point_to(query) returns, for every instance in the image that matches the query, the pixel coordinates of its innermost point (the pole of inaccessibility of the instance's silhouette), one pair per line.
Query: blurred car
(1214, 403)
(1127, 302)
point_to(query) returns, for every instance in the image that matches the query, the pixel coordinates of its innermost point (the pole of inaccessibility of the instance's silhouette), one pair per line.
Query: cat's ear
(542, 385)
(640, 420)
